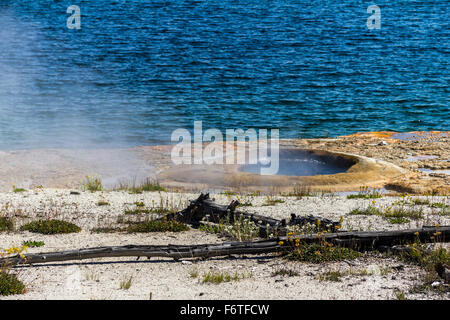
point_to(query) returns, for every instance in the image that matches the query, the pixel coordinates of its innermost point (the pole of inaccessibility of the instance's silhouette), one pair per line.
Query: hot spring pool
(295, 162)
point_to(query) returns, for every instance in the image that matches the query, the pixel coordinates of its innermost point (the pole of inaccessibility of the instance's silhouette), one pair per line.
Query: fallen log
(362, 241)
(204, 207)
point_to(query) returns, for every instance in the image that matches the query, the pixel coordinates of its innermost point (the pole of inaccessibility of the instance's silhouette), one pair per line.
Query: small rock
(201, 294)
(436, 283)
(186, 262)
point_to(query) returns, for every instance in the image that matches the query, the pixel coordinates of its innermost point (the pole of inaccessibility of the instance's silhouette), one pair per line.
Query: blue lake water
(137, 70)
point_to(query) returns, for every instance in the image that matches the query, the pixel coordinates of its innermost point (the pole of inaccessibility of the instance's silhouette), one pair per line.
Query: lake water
(137, 70)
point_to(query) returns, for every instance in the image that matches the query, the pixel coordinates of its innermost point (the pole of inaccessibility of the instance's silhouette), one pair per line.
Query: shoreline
(425, 157)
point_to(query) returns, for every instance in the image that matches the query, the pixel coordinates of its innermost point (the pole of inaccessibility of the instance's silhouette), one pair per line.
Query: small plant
(368, 211)
(219, 277)
(365, 193)
(92, 183)
(9, 283)
(17, 190)
(126, 284)
(6, 224)
(193, 273)
(432, 261)
(92, 277)
(107, 230)
(400, 295)
(102, 203)
(330, 276)
(245, 201)
(238, 228)
(398, 220)
(229, 193)
(403, 212)
(300, 191)
(271, 202)
(158, 226)
(147, 185)
(285, 272)
(421, 202)
(396, 214)
(50, 227)
(33, 244)
(316, 252)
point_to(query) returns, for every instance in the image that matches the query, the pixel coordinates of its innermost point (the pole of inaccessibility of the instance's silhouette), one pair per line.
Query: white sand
(167, 279)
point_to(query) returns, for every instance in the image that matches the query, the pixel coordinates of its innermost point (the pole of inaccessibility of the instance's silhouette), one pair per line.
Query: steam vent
(316, 169)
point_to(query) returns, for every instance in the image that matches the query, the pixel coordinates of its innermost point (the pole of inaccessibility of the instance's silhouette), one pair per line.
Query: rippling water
(137, 70)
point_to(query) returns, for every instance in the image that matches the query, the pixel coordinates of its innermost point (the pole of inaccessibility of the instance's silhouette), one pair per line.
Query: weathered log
(203, 206)
(361, 241)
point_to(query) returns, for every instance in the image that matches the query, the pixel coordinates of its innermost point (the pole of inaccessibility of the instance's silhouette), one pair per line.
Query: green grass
(92, 184)
(6, 224)
(285, 273)
(300, 191)
(368, 211)
(440, 205)
(395, 215)
(140, 210)
(246, 203)
(364, 196)
(147, 185)
(318, 253)
(271, 202)
(398, 220)
(33, 244)
(430, 261)
(239, 229)
(126, 284)
(219, 277)
(107, 230)
(229, 193)
(17, 190)
(9, 284)
(404, 212)
(421, 202)
(365, 193)
(102, 203)
(157, 226)
(334, 276)
(50, 227)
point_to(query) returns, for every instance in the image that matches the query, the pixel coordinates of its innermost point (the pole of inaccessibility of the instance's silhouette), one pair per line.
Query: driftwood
(203, 206)
(361, 241)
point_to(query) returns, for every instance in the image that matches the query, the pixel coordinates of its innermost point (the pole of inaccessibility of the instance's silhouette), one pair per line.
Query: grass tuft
(33, 244)
(9, 284)
(92, 184)
(318, 253)
(6, 224)
(219, 277)
(126, 284)
(50, 227)
(157, 226)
